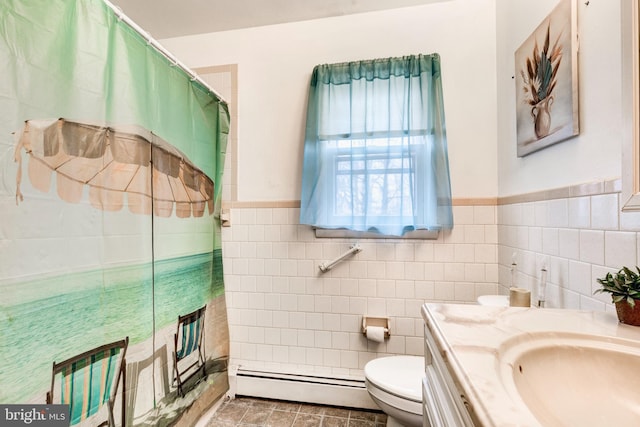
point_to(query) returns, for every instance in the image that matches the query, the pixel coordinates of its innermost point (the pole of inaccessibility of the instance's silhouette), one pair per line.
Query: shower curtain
(111, 160)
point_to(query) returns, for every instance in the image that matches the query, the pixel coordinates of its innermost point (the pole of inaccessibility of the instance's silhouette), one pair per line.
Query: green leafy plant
(624, 285)
(539, 75)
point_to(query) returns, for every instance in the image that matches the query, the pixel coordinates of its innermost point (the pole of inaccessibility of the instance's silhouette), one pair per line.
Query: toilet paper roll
(375, 333)
(519, 297)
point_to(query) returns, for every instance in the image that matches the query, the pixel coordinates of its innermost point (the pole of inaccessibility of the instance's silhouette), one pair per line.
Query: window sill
(341, 233)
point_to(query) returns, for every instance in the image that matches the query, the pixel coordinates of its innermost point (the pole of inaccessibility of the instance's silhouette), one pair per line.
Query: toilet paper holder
(376, 321)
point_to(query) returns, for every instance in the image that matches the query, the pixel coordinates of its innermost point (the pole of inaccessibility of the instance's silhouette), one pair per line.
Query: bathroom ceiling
(173, 18)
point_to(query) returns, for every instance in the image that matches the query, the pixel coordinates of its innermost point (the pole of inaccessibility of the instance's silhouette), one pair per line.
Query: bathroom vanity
(505, 366)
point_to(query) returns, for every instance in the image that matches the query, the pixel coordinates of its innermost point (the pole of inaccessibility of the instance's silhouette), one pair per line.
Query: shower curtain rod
(153, 42)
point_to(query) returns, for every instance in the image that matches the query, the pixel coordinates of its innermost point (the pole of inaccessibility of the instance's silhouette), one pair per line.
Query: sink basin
(570, 379)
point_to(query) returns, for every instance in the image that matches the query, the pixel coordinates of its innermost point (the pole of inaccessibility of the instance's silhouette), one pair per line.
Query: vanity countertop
(469, 339)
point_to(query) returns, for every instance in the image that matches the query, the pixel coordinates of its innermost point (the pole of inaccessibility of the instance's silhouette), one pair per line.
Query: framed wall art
(546, 67)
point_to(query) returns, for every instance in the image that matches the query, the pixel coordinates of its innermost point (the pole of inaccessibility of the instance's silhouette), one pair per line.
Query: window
(373, 179)
(375, 148)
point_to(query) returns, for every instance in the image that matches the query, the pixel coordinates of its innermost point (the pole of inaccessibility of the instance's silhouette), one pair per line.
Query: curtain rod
(161, 49)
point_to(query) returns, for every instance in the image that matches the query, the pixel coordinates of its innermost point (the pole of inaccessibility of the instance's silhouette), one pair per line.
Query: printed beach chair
(89, 380)
(188, 339)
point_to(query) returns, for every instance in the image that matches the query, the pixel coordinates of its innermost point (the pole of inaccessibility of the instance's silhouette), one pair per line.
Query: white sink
(494, 300)
(571, 379)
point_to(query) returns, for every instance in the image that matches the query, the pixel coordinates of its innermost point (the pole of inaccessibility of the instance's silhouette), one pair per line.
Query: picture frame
(546, 75)
(630, 31)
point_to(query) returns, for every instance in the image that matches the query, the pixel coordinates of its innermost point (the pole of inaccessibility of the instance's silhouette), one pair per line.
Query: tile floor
(250, 411)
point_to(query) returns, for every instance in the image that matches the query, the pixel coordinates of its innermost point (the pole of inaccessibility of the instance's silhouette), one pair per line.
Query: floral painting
(547, 82)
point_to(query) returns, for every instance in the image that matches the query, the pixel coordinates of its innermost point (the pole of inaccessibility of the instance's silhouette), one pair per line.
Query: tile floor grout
(257, 412)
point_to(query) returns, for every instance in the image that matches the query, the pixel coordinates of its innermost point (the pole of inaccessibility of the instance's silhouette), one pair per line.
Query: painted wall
(577, 230)
(595, 153)
(283, 314)
(275, 64)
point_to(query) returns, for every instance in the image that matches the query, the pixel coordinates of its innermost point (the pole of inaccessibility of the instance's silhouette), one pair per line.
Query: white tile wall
(285, 315)
(580, 239)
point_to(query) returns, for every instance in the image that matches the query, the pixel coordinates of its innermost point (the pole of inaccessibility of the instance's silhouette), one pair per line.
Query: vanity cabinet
(471, 352)
(442, 403)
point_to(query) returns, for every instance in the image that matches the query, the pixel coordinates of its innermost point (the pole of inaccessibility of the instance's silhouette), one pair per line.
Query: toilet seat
(397, 375)
(395, 385)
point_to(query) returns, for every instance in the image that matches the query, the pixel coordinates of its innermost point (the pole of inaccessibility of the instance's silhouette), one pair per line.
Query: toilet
(395, 385)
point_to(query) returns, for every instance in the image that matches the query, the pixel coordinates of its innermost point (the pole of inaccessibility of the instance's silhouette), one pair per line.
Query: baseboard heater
(323, 390)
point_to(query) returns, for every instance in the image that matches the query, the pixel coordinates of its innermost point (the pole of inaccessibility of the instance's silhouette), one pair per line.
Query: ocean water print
(110, 304)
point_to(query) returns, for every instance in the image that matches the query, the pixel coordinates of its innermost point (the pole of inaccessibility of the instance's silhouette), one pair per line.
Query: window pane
(379, 184)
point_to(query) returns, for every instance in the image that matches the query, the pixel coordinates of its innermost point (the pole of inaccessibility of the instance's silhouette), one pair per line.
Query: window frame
(330, 185)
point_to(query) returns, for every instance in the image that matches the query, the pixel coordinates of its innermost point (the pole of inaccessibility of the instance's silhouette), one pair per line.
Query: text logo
(34, 415)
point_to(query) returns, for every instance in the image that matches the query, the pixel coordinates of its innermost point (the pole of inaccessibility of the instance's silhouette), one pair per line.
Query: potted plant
(624, 287)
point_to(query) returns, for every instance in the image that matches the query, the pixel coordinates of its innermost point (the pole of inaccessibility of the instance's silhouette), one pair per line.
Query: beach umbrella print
(115, 163)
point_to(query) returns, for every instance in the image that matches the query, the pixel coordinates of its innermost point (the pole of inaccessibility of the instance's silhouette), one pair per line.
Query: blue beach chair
(90, 380)
(188, 339)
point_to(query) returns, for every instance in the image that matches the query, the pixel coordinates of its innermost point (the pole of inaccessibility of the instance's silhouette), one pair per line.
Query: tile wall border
(578, 190)
(593, 188)
(488, 201)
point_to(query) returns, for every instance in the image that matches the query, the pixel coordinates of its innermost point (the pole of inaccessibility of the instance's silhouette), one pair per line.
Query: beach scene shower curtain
(111, 161)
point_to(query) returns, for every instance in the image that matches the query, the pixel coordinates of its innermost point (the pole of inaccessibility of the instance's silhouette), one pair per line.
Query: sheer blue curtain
(375, 154)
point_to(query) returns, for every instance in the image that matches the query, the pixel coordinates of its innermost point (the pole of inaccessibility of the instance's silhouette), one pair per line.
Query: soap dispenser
(542, 286)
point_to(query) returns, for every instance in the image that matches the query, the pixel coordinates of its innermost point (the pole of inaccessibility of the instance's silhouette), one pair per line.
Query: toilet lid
(399, 375)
